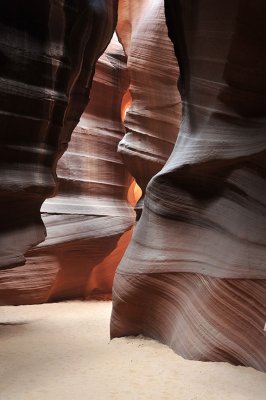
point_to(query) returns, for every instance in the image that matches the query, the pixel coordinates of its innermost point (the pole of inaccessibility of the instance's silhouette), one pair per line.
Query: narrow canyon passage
(133, 168)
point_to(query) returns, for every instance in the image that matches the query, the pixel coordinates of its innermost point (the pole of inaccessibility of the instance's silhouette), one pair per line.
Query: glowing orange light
(134, 193)
(126, 103)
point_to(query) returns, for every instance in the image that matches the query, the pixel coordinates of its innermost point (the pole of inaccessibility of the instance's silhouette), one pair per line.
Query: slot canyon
(133, 199)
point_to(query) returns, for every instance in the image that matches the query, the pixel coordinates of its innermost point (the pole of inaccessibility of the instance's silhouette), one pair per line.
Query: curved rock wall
(153, 111)
(194, 275)
(89, 221)
(48, 53)
(93, 226)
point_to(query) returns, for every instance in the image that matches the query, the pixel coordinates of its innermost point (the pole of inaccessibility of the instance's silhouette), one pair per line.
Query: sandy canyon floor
(62, 351)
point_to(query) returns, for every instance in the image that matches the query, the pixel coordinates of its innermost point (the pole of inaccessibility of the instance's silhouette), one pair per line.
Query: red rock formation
(194, 275)
(154, 106)
(48, 53)
(89, 221)
(93, 187)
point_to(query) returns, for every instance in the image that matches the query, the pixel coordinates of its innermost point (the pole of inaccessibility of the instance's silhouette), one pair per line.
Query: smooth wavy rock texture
(153, 101)
(48, 53)
(194, 275)
(89, 221)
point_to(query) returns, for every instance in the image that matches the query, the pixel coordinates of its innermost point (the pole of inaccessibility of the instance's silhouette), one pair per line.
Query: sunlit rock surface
(194, 275)
(47, 51)
(153, 102)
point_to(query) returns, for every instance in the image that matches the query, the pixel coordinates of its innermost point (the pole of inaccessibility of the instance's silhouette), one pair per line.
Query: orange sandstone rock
(153, 101)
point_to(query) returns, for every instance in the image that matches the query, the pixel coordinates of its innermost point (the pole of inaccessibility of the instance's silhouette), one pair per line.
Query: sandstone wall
(153, 102)
(48, 54)
(194, 275)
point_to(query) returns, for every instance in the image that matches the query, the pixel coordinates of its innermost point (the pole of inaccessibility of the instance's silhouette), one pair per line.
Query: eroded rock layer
(153, 106)
(48, 52)
(194, 275)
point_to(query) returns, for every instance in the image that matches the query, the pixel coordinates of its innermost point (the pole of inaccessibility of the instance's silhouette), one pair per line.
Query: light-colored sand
(62, 351)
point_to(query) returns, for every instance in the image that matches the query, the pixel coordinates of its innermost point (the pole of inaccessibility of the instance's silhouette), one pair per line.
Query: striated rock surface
(152, 102)
(194, 275)
(89, 221)
(47, 51)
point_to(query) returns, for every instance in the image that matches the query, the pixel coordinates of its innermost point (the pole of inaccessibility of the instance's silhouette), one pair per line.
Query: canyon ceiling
(154, 110)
